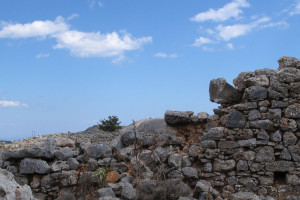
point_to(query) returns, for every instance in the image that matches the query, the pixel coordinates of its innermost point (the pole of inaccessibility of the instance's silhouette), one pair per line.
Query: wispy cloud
(34, 29)
(230, 10)
(4, 103)
(42, 55)
(96, 44)
(164, 55)
(232, 31)
(93, 3)
(230, 46)
(296, 10)
(81, 44)
(202, 40)
(73, 16)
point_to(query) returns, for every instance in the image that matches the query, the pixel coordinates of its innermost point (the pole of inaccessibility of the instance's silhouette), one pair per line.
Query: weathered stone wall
(253, 142)
(249, 149)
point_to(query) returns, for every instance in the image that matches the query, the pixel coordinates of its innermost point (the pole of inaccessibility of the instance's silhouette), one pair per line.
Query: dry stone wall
(248, 149)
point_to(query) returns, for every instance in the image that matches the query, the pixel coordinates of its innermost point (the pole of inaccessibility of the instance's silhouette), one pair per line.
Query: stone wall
(248, 149)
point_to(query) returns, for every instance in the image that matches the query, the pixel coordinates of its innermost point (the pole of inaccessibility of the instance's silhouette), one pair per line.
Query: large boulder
(288, 62)
(44, 151)
(99, 151)
(32, 166)
(178, 117)
(222, 92)
(10, 189)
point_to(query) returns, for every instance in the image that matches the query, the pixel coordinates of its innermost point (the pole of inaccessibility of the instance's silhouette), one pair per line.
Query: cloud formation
(81, 44)
(164, 55)
(230, 10)
(42, 55)
(34, 29)
(202, 40)
(4, 103)
(296, 10)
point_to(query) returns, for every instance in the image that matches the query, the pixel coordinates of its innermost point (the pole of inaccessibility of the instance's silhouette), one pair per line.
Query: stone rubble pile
(248, 149)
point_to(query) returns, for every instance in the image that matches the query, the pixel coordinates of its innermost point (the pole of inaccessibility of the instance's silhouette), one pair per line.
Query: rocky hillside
(249, 149)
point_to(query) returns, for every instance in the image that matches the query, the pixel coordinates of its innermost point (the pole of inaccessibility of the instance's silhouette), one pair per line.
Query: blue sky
(66, 64)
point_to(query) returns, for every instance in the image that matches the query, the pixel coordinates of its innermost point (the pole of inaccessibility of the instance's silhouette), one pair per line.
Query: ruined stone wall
(249, 149)
(252, 141)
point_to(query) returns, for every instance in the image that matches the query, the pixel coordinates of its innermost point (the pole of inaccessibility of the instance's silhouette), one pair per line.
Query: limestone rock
(288, 62)
(255, 93)
(223, 165)
(10, 189)
(99, 151)
(64, 153)
(177, 117)
(293, 111)
(235, 120)
(222, 92)
(31, 166)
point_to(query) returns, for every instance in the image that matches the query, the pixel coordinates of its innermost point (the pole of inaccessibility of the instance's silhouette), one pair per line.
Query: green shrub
(101, 173)
(110, 124)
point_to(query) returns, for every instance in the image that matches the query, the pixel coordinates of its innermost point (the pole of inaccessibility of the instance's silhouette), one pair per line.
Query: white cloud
(202, 40)
(230, 46)
(4, 103)
(96, 44)
(42, 55)
(73, 16)
(208, 49)
(34, 29)
(296, 10)
(230, 10)
(100, 4)
(164, 55)
(228, 32)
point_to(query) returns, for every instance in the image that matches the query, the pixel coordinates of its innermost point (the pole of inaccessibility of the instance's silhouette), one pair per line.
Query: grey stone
(128, 192)
(266, 71)
(260, 80)
(203, 186)
(175, 188)
(295, 87)
(186, 161)
(44, 151)
(202, 116)
(248, 155)
(248, 182)
(73, 163)
(288, 75)
(214, 134)
(244, 196)
(295, 152)
(211, 153)
(92, 164)
(10, 189)
(248, 143)
(292, 179)
(175, 174)
(274, 113)
(64, 153)
(255, 93)
(244, 134)
(47, 182)
(209, 144)
(105, 192)
(235, 120)
(213, 118)
(242, 165)
(288, 123)
(289, 139)
(68, 178)
(276, 85)
(288, 62)
(280, 166)
(177, 117)
(262, 124)
(59, 165)
(194, 119)
(293, 111)
(120, 167)
(241, 81)
(222, 92)
(193, 150)
(285, 154)
(256, 167)
(265, 155)
(279, 104)
(276, 136)
(254, 115)
(175, 160)
(32, 166)
(228, 145)
(190, 172)
(98, 151)
(162, 153)
(223, 165)
(208, 167)
(266, 180)
(263, 135)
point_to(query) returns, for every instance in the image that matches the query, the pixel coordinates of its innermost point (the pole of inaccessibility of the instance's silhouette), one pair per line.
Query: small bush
(101, 173)
(110, 124)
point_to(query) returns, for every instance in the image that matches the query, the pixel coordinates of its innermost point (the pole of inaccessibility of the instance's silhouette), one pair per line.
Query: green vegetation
(101, 173)
(110, 124)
